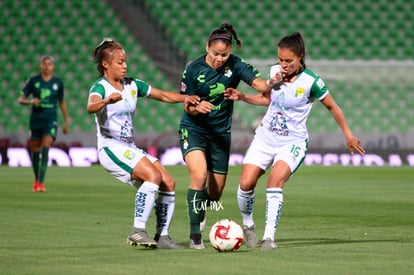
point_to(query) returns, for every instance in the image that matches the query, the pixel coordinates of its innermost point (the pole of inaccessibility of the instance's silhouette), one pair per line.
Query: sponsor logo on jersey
(183, 87)
(133, 93)
(55, 86)
(320, 83)
(278, 125)
(216, 89)
(201, 78)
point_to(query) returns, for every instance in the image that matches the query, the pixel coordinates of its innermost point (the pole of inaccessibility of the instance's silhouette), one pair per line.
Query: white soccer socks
(164, 211)
(246, 199)
(274, 203)
(144, 202)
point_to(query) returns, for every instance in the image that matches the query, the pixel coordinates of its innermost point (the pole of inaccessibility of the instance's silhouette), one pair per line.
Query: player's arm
(64, 111)
(203, 107)
(23, 100)
(352, 141)
(172, 97)
(264, 86)
(96, 102)
(262, 99)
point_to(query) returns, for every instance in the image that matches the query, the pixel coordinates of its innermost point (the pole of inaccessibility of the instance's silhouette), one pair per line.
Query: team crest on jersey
(133, 93)
(227, 72)
(55, 86)
(129, 154)
(300, 92)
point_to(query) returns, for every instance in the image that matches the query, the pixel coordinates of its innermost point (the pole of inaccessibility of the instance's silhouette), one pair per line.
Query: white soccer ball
(226, 235)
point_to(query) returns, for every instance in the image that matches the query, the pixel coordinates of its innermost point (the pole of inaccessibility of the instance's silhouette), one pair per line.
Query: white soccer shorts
(263, 155)
(119, 160)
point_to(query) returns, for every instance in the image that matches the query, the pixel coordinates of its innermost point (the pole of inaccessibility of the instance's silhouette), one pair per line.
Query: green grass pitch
(336, 220)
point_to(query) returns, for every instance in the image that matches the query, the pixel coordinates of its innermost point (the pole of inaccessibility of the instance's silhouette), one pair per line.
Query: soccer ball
(226, 235)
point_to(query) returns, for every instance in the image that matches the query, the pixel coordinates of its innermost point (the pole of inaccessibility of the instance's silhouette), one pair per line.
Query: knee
(198, 180)
(246, 185)
(154, 177)
(167, 184)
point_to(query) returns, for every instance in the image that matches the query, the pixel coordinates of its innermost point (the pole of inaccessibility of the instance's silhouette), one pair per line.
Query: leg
(164, 210)
(196, 195)
(35, 145)
(246, 198)
(286, 162)
(279, 175)
(165, 203)
(46, 143)
(144, 201)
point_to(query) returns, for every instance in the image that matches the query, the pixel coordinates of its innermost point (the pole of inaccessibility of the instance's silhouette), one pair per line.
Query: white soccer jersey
(291, 102)
(114, 121)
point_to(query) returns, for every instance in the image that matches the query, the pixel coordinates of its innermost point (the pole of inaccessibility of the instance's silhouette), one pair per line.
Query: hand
(113, 98)
(232, 94)
(35, 101)
(204, 107)
(192, 100)
(277, 78)
(354, 144)
(66, 129)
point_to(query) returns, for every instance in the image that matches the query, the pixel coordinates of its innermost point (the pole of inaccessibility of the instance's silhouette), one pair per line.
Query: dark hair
(104, 51)
(225, 33)
(295, 43)
(45, 57)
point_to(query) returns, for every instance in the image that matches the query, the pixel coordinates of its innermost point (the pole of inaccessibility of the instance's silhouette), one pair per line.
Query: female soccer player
(46, 92)
(113, 99)
(205, 128)
(281, 139)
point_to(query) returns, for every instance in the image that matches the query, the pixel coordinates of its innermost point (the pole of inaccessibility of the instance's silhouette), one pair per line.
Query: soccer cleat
(38, 187)
(250, 236)
(203, 220)
(268, 244)
(41, 187)
(140, 237)
(166, 242)
(34, 187)
(196, 242)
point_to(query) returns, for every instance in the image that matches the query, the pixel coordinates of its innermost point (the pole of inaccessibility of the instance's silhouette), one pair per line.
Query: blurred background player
(44, 92)
(113, 99)
(281, 139)
(205, 128)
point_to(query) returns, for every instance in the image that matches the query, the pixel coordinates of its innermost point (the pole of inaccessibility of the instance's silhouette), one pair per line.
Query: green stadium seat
(347, 29)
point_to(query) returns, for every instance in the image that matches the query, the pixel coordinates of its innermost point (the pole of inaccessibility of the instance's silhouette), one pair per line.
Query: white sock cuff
(166, 193)
(150, 185)
(274, 190)
(245, 193)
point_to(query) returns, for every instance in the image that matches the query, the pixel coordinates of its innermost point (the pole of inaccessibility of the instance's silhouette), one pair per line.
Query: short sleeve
(27, 89)
(188, 85)
(248, 72)
(97, 89)
(143, 88)
(61, 92)
(319, 89)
